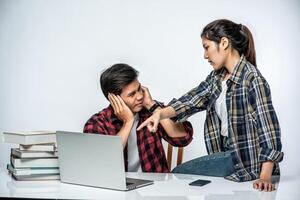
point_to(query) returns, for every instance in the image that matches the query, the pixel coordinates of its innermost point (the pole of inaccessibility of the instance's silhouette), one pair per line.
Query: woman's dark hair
(238, 35)
(116, 77)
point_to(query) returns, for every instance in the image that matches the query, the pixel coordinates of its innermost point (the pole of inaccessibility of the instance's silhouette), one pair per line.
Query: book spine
(33, 154)
(34, 162)
(47, 147)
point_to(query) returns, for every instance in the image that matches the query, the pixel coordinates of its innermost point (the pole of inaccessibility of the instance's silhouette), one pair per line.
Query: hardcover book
(32, 171)
(30, 137)
(33, 154)
(36, 177)
(33, 162)
(38, 147)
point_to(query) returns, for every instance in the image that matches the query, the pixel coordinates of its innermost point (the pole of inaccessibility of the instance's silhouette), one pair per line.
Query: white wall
(52, 52)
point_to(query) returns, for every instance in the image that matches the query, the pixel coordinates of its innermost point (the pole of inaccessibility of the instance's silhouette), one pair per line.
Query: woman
(242, 133)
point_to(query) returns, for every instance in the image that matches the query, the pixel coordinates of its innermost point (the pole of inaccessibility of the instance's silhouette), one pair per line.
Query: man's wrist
(128, 121)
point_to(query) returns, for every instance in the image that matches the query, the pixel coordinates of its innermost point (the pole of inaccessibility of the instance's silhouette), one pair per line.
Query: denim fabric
(218, 164)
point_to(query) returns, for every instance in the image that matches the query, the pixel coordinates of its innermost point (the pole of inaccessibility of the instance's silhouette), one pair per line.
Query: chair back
(170, 153)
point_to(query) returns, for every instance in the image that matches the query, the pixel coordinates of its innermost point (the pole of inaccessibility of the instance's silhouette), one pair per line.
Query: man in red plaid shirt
(130, 105)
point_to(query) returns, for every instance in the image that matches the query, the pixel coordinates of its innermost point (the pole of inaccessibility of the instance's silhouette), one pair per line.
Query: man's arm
(124, 114)
(124, 132)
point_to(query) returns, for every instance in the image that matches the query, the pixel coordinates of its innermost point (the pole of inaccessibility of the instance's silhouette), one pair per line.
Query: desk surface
(166, 186)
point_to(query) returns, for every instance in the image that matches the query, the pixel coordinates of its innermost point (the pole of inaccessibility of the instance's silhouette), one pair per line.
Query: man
(130, 104)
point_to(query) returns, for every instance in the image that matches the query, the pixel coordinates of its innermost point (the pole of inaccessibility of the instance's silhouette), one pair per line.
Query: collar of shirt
(238, 70)
(236, 74)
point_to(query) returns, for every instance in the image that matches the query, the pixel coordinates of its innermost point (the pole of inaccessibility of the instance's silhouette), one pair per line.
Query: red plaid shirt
(150, 147)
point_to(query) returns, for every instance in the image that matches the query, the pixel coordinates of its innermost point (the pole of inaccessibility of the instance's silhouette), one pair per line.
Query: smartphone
(200, 182)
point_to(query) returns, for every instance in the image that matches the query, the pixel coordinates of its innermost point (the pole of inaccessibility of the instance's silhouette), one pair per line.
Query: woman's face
(214, 53)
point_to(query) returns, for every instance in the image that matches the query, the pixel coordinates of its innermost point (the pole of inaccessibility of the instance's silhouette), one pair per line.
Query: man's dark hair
(116, 77)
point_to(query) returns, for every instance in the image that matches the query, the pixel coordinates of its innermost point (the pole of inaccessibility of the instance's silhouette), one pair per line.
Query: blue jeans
(218, 164)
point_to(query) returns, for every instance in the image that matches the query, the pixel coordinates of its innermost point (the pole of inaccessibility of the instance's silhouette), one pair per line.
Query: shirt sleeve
(95, 125)
(194, 101)
(268, 128)
(179, 141)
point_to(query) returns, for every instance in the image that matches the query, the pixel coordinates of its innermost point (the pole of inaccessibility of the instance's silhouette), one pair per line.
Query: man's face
(132, 94)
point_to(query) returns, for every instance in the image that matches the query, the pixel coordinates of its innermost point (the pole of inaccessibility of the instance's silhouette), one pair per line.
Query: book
(32, 171)
(38, 147)
(33, 154)
(30, 137)
(33, 162)
(36, 177)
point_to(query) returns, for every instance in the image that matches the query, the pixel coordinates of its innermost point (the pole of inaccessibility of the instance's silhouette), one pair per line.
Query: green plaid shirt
(253, 128)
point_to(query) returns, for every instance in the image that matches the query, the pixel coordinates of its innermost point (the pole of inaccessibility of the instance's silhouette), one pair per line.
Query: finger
(112, 103)
(270, 187)
(122, 103)
(260, 186)
(117, 103)
(255, 185)
(266, 186)
(144, 88)
(146, 91)
(155, 125)
(145, 123)
(153, 129)
(152, 126)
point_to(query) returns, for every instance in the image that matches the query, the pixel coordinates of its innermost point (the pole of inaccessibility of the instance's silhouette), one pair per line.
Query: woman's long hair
(239, 36)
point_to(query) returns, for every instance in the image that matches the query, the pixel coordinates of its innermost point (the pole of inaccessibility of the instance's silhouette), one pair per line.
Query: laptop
(94, 160)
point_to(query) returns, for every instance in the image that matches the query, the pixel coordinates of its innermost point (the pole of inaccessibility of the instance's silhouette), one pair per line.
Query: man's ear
(224, 43)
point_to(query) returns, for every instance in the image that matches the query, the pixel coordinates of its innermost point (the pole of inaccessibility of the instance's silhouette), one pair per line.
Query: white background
(52, 53)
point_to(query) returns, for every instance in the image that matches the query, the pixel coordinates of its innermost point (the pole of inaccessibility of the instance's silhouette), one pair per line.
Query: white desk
(166, 186)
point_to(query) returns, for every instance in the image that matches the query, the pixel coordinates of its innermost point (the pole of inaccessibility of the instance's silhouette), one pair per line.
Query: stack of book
(36, 158)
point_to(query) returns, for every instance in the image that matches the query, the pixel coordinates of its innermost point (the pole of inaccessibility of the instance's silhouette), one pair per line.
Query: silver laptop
(94, 160)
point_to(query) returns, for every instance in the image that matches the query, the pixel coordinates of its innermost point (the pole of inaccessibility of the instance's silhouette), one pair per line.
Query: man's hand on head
(121, 110)
(148, 101)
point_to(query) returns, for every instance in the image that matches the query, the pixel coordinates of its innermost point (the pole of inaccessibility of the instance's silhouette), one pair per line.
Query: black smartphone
(199, 182)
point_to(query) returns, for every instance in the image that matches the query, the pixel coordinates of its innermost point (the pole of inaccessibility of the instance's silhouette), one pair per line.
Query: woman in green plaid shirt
(242, 132)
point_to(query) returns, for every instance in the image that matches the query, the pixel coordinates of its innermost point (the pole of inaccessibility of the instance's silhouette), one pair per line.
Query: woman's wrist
(266, 170)
(157, 112)
(265, 176)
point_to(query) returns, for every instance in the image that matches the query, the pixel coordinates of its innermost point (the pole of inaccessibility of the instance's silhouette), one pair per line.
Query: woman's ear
(224, 43)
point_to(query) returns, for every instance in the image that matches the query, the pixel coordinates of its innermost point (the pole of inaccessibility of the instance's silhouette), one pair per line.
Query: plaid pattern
(150, 147)
(253, 127)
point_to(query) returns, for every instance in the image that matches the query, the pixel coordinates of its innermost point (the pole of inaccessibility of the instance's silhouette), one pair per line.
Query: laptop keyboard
(128, 183)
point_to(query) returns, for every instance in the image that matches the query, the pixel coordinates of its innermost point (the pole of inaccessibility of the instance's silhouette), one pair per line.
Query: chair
(169, 156)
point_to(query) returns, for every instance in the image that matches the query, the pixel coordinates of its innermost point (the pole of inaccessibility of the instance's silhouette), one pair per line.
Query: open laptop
(94, 160)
